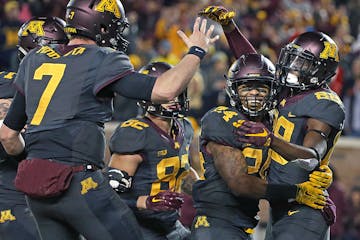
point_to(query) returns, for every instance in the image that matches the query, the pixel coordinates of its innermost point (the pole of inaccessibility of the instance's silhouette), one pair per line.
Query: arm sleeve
(135, 85)
(16, 117)
(238, 43)
(115, 66)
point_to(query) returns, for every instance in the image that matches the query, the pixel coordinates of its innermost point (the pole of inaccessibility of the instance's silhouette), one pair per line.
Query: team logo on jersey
(109, 6)
(35, 27)
(162, 153)
(290, 115)
(6, 215)
(330, 50)
(155, 200)
(88, 184)
(290, 213)
(201, 221)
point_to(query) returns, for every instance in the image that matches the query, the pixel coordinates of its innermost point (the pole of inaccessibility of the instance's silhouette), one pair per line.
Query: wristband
(280, 192)
(198, 51)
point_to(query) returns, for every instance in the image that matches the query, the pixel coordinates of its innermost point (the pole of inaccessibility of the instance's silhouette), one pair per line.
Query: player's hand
(218, 14)
(321, 178)
(165, 201)
(255, 133)
(201, 37)
(311, 196)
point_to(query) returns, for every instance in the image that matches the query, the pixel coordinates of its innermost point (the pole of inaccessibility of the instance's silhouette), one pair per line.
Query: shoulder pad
(326, 106)
(218, 125)
(7, 90)
(129, 137)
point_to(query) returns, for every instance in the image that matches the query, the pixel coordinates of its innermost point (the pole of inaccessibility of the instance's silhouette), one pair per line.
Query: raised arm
(172, 82)
(238, 43)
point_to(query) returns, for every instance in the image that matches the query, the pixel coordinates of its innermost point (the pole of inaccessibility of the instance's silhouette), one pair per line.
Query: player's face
(297, 64)
(253, 95)
(173, 104)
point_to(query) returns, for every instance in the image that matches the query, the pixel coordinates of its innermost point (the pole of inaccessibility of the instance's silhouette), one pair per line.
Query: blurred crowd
(268, 24)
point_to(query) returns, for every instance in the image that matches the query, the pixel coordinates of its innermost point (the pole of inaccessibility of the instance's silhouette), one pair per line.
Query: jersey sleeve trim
(107, 83)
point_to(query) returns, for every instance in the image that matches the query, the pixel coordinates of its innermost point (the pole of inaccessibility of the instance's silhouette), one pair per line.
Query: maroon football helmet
(256, 71)
(40, 31)
(176, 108)
(308, 62)
(103, 21)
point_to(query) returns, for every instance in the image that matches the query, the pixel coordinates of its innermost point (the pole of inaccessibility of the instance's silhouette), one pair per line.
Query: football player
(234, 171)
(64, 97)
(309, 121)
(16, 220)
(149, 161)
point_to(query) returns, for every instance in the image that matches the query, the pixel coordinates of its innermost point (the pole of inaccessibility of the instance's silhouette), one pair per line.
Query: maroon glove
(329, 212)
(165, 201)
(254, 133)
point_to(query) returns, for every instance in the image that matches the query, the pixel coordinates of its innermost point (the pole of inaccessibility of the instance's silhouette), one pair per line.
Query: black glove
(119, 180)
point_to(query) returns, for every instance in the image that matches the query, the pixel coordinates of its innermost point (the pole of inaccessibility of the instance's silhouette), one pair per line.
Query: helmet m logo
(330, 50)
(35, 27)
(109, 6)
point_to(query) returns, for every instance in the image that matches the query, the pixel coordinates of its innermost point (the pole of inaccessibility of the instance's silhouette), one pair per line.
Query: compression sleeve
(16, 116)
(134, 85)
(238, 43)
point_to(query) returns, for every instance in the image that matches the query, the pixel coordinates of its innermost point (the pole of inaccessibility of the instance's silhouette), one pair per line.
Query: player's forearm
(238, 43)
(231, 165)
(141, 202)
(291, 151)
(12, 141)
(242, 184)
(247, 186)
(171, 83)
